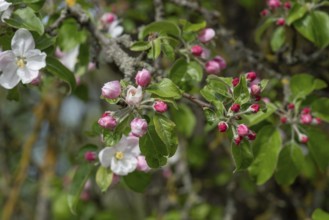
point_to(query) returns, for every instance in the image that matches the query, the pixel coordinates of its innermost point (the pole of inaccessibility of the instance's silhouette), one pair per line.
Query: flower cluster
(241, 131)
(111, 24)
(212, 66)
(296, 118)
(277, 8)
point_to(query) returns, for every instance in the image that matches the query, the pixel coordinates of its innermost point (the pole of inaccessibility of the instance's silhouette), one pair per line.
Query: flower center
(21, 63)
(119, 155)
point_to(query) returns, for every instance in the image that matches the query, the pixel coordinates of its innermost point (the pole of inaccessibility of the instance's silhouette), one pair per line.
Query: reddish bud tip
(283, 120)
(254, 108)
(242, 130)
(316, 121)
(235, 81)
(287, 5)
(255, 90)
(264, 12)
(252, 135)
(306, 119)
(306, 110)
(237, 140)
(196, 50)
(303, 138)
(90, 156)
(222, 126)
(235, 107)
(291, 106)
(280, 22)
(251, 76)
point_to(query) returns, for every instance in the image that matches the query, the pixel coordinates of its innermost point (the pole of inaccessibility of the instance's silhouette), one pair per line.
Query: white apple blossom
(115, 29)
(23, 62)
(134, 95)
(69, 58)
(122, 157)
(5, 11)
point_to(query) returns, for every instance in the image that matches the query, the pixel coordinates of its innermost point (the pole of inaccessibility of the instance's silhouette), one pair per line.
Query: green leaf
(185, 119)
(110, 138)
(166, 89)
(302, 85)
(278, 38)
(140, 46)
(320, 108)
(104, 178)
(262, 28)
(266, 150)
(155, 49)
(153, 148)
(254, 119)
(242, 156)
(192, 27)
(44, 41)
(168, 50)
(318, 146)
(290, 162)
(26, 18)
(241, 92)
(315, 28)
(165, 129)
(296, 12)
(219, 85)
(80, 178)
(162, 28)
(55, 67)
(70, 35)
(137, 181)
(319, 214)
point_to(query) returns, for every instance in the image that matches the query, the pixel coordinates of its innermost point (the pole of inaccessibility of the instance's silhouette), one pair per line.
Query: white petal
(124, 166)
(27, 75)
(4, 5)
(8, 68)
(69, 59)
(115, 30)
(35, 59)
(105, 156)
(6, 14)
(22, 42)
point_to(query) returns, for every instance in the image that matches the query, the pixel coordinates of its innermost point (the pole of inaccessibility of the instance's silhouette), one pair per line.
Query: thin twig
(200, 103)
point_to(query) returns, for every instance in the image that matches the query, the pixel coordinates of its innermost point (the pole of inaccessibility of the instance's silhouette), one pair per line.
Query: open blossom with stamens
(23, 62)
(122, 157)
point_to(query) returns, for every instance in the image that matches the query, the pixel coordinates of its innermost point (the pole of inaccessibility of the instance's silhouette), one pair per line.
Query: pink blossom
(107, 121)
(142, 164)
(196, 50)
(206, 35)
(143, 78)
(242, 130)
(111, 90)
(160, 106)
(138, 127)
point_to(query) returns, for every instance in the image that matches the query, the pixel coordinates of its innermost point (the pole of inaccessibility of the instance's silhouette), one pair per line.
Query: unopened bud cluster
(273, 7)
(235, 111)
(298, 117)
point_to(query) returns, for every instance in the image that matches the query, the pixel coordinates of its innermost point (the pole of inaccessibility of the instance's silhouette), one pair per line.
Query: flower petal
(27, 75)
(8, 68)
(124, 166)
(4, 5)
(22, 42)
(106, 155)
(70, 58)
(6, 14)
(35, 59)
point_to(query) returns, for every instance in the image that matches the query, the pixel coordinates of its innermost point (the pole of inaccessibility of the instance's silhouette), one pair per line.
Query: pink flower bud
(142, 164)
(85, 196)
(306, 119)
(36, 81)
(306, 110)
(237, 139)
(212, 67)
(255, 90)
(107, 121)
(205, 53)
(303, 138)
(134, 95)
(254, 108)
(108, 18)
(280, 22)
(242, 130)
(251, 76)
(206, 35)
(273, 4)
(235, 81)
(283, 119)
(291, 106)
(235, 107)
(222, 126)
(287, 5)
(138, 127)
(252, 135)
(316, 121)
(257, 98)
(91, 66)
(143, 78)
(59, 53)
(160, 106)
(264, 12)
(90, 156)
(111, 90)
(266, 100)
(115, 180)
(196, 50)
(220, 60)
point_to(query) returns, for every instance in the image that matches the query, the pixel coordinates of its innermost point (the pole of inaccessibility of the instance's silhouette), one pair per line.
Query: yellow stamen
(20, 63)
(70, 3)
(119, 155)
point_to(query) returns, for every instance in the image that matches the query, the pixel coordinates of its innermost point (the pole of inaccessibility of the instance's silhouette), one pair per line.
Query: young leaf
(165, 128)
(166, 89)
(104, 178)
(242, 156)
(140, 46)
(296, 12)
(319, 214)
(290, 162)
(241, 92)
(302, 85)
(26, 18)
(262, 28)
(266, 150)
(55, 67)
(80, 178)
(185, 119)
(278, 39)
(320, 108)
(161, 27)
(254, 119)
(153, 148)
